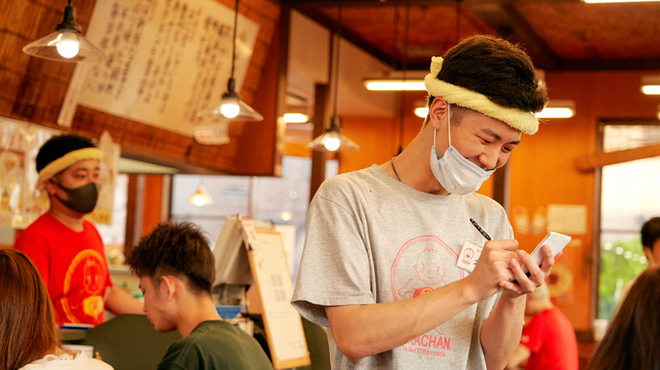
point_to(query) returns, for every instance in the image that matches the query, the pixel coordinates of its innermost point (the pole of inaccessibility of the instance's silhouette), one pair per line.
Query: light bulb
(199, 200)
(201, 197)
(67, 45)
(422, 112)
(229, 110)
(295, 118)
(331, 143)
(651, 89)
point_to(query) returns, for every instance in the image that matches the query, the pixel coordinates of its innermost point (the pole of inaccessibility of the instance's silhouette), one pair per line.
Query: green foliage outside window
(620, 261)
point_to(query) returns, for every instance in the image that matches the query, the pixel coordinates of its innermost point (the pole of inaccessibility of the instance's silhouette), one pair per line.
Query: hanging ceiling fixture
(396, 84)
(201, 197)
(557, 109)
(333, 140)
(231, 106)
(651, 85)
(295, 118)
(66, 44)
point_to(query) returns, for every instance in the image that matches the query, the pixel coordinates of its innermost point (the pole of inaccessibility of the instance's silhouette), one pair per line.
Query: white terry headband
(516, 118)
(61, 163)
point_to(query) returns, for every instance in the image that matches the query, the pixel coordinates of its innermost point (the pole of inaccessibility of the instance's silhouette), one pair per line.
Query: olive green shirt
(216, 344)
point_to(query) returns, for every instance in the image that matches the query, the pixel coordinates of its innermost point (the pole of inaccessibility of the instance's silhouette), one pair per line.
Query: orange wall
(544, 172)
(542, 167)
(378, 137)
(153, 196)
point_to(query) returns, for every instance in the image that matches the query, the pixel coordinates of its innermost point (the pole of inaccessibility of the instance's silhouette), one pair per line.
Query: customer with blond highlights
(28, 334)
(633, 338)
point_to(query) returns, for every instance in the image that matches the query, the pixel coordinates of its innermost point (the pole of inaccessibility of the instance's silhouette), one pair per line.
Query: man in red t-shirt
(66, 249)
(548, 340)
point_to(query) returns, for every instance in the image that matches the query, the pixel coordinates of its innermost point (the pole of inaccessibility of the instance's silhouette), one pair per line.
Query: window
(629, 197)
(282, 200)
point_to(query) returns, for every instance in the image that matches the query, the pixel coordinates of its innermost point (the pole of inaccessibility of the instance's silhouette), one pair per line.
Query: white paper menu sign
(276, 290)
(166, 60)
(268, 261)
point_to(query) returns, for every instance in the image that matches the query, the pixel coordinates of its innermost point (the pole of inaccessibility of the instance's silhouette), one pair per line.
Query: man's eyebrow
(96, 168)
(494, 135)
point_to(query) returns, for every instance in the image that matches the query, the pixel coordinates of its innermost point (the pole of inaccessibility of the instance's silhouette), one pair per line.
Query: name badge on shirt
(469, 256)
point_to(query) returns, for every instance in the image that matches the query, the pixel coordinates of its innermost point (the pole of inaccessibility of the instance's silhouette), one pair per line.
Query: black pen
(482, 231)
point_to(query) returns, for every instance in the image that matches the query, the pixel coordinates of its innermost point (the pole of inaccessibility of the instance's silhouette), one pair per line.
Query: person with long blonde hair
(28, 333)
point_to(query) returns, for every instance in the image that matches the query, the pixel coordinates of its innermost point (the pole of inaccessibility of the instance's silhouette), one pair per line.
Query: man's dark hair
(496, 68)
(58, 146)
(651, 232)
(175, 249)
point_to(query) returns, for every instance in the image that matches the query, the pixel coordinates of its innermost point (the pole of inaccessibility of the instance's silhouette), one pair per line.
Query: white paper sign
(167, 60)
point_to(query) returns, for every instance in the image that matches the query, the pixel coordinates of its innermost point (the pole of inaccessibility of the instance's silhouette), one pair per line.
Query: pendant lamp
(201, 197)
(333, 140)
(231, 106)
(66, 44)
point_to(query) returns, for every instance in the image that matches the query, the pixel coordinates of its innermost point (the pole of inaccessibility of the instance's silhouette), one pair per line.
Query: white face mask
(453, 171)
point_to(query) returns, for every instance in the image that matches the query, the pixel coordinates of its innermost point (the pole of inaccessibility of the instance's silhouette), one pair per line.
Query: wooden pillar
(318, 158)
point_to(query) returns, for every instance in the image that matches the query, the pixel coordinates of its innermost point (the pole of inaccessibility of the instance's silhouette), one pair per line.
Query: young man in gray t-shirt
(379, 266)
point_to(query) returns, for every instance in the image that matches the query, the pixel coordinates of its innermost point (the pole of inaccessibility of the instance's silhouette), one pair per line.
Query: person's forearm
(519, 358)
(119, 302)
(501, 332)
(365, 330)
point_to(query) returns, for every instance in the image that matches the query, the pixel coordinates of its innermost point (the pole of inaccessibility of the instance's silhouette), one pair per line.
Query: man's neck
(73, 222)
(193, 313)
(413, 164)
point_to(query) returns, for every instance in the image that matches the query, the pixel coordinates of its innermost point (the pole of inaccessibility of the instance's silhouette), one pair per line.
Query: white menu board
(268, 262)
(166, 60)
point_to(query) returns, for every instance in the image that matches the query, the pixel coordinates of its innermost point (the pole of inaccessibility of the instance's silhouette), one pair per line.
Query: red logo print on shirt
(421, 265)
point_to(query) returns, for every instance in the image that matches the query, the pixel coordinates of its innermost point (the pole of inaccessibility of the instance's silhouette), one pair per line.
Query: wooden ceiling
(557, 34)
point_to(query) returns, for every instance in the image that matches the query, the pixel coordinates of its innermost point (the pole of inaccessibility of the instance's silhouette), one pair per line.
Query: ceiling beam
(509, 23)
(611, 65)
(299, 4)
(331, 25)
(592, 161)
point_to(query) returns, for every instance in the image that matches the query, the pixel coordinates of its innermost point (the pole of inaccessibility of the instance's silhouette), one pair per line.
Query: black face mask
(82, 199)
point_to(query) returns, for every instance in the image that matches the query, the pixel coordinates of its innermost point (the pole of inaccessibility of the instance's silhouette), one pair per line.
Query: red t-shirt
(551, 339)
(73, 266)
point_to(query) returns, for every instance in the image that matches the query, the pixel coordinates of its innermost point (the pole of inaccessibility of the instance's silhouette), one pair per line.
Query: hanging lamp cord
(336, 76)
(233, 44)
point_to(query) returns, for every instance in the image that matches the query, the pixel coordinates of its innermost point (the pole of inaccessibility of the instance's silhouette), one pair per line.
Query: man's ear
(50, 186)
(648, 253)
(437, 111)
(168, 286)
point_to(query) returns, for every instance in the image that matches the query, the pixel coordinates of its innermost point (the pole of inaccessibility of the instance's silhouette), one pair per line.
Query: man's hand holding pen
(499, 267)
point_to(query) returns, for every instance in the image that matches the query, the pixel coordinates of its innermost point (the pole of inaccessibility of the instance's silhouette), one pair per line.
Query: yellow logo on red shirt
(84, 285)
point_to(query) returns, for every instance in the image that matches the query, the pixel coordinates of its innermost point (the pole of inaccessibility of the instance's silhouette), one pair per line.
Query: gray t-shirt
(371, 239)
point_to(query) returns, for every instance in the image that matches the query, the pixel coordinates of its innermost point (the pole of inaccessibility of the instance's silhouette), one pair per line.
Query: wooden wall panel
(153, 196)
(378, 137)
(544, 169)
(34, 89)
